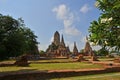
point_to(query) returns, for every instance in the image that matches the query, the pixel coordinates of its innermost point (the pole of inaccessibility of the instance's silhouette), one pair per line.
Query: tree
(30, 41)
(15, 38)
(82, 51)
(42, 52)
(15, 44)
(105, 31)
(7, 26)
(102, 52)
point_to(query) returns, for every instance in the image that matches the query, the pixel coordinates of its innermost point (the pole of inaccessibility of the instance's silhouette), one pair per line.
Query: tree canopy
(106, 30)
(15, 38)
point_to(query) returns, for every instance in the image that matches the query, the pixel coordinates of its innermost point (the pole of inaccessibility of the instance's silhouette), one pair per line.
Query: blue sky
(70, 17)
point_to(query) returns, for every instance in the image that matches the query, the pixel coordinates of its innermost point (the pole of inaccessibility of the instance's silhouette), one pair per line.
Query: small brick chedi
(57, 48)
(75, 50)
(88, 51)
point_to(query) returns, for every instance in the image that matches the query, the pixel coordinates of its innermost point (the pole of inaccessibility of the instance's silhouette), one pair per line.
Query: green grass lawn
(64, 66)
(7, 61)
(106, 59)
(106, 76)
(53, 60)
(52, 66)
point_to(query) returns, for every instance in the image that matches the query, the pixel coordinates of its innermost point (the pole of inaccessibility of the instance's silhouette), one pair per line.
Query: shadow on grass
(23, 74)
(34, 74)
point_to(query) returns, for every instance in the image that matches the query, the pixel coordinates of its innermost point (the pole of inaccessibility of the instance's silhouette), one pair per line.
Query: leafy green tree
(42, 52)
(82, 51)
(15, 44)
(15, 38)
(7, 26)
(30, 41)
(102, 52)
(105, 31)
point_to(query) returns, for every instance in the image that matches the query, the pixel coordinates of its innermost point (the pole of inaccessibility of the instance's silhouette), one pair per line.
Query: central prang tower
(58, 48)
(56, 38)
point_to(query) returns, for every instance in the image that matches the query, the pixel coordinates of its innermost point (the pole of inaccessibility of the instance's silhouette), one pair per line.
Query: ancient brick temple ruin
(58, 47)
(88, 50)
(75, 50)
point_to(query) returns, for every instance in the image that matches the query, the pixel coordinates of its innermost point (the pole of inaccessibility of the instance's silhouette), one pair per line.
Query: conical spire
(62, 41)
(86, 39)
(56, 38)
(75, 50)
(68, 50)
(87, 49)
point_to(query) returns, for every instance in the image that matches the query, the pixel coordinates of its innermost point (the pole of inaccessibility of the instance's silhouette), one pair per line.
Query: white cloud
(67, 23)
(72, 31)
(68, 18)
(85, 8)
(61, 11)
(83, 39)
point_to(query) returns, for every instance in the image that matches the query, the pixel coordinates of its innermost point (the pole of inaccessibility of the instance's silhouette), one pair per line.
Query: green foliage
(15, 38)
(30, 41)
(3, 52)
(82, 51)
(52, 66)
(42, 52)
(14, 44)
(7, 26)
(105, 31)
(102, 52)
